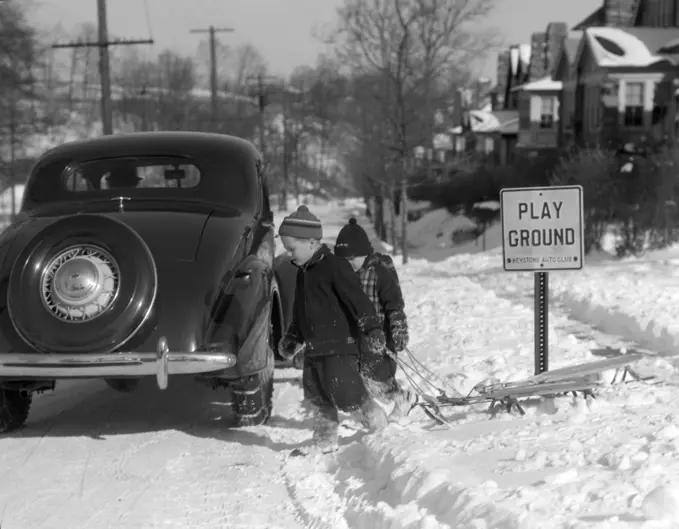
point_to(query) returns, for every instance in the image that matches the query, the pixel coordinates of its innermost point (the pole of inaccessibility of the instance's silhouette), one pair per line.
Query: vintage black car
(144, 254)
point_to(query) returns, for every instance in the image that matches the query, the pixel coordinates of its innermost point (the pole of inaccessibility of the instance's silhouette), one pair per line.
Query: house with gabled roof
(633, 13)
(617, 72)
(539, 99)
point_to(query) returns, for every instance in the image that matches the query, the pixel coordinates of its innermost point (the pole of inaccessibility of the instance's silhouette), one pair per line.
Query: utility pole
(262, 103)
(103, 44)
(213, 62)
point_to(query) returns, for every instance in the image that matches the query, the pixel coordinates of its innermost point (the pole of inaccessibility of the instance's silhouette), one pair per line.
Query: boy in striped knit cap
(331, 317)
(380, 282)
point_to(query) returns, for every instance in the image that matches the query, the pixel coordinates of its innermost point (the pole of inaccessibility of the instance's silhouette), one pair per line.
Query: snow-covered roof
(480, 121)
(545, 84)
(613, 47)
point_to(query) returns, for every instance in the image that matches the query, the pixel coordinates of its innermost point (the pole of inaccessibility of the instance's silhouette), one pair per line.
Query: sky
(281, 29)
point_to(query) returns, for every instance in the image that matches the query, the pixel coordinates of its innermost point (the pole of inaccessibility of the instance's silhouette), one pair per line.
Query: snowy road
(93, 458)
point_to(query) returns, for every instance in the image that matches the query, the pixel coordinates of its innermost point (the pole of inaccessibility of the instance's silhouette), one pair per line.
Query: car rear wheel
(253, 397)
(14, 408)
(84, 284)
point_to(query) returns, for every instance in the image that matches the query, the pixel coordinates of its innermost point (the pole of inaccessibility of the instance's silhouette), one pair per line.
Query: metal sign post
(542, 231)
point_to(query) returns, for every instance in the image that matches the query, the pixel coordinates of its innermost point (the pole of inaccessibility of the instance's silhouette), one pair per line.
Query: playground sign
(542, 228)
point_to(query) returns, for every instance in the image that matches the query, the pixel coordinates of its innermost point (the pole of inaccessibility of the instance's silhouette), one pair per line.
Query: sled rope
(417, 367)
(431, 373)
(409, 377)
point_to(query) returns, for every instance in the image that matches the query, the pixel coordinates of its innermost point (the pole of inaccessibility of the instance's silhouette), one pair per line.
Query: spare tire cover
(84, 284)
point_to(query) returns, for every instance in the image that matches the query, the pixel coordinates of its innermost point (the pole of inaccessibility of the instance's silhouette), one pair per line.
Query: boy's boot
(326, 430)
(381, 391)
(372, 416)
(404, 401)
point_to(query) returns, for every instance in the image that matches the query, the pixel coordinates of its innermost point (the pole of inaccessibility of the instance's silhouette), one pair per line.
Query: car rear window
(220, 177)
(129, 173)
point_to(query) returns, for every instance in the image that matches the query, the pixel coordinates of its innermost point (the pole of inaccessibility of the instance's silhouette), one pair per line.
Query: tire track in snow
(151, 459)
(520, 291)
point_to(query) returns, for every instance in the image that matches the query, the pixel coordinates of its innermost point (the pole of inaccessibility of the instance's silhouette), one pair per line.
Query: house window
(460, 144)
(634, 105)
(546, 112)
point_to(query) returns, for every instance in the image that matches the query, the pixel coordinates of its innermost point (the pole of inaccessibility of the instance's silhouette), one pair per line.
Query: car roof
(153, 143)
(219, 155)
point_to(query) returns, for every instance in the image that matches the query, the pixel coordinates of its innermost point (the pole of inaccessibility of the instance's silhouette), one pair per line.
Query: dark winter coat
(380, 282)
(331, 313)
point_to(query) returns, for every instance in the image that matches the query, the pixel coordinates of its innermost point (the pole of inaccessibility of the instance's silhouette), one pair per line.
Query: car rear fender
(240, 317)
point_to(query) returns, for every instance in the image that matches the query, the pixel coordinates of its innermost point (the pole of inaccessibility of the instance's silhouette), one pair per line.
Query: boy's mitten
(376, 342)
(398, 331)
(289, 347)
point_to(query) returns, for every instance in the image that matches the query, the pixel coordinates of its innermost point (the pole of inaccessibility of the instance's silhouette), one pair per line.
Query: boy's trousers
(334, 382)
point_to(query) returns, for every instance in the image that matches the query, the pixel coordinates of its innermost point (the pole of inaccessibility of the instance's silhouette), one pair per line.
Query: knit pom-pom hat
(301, 224)
(352, 241)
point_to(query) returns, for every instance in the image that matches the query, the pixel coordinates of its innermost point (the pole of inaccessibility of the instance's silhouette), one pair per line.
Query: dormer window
(610, 46)
(546, 112)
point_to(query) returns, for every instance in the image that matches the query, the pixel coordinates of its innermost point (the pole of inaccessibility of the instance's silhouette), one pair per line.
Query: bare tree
(246, 62)
(20, 93)
(417, 48)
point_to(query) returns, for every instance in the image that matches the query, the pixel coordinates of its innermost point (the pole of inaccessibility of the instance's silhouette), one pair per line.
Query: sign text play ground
(542, 228)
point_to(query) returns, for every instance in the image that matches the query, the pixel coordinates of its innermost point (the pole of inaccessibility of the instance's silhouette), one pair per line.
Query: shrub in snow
(634, 193)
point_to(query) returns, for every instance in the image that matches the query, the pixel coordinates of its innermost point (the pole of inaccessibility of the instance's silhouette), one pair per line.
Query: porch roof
(546, 84)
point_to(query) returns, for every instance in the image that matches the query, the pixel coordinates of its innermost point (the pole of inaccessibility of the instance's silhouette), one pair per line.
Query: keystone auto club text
(541, 236)
(539, 260)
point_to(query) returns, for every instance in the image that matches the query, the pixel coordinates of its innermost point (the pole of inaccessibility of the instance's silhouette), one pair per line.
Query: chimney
(538, 45)
(457, 107)
(502, 77)
(556, 36)
(619, 13)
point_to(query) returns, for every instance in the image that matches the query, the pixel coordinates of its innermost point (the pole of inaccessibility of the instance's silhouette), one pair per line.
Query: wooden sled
(571, 379)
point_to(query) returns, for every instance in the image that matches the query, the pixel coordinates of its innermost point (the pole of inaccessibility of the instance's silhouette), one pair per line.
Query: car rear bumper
(162, 363)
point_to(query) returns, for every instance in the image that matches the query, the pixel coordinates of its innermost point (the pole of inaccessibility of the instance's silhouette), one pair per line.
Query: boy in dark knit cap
(380, 282)
(332, 316)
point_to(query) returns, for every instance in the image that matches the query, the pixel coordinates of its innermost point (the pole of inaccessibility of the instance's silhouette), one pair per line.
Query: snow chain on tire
(253, 398)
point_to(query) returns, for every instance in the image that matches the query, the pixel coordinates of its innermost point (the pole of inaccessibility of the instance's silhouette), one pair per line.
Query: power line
(97, 44)
(104, 43)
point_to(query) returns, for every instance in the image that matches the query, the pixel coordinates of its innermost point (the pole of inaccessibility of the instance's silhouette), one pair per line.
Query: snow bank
(634, 298)
(569, 462)
(389, 489)
(432, 236)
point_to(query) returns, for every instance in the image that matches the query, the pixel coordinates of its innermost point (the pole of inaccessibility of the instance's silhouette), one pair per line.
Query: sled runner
(572, 379)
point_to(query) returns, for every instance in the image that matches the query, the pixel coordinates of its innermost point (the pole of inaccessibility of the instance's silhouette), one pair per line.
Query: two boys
(342, 335)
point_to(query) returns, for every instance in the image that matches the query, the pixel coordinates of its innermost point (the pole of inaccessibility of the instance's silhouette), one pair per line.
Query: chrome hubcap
(80, 283)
